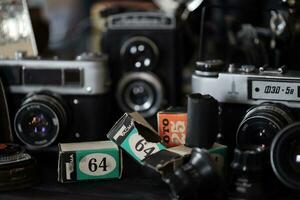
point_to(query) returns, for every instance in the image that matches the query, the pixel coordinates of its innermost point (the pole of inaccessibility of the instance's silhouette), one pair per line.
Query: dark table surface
(136, 183)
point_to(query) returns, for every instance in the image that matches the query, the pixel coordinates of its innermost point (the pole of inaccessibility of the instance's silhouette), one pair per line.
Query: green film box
(133, 134)
(89, 161)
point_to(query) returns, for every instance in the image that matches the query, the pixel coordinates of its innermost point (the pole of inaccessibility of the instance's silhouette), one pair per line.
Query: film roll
(202, 121)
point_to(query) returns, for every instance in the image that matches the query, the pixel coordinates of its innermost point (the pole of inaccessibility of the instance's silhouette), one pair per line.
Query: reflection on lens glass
(37, 125)
(285, 156)
(139, 95)
(294, 155)
(257, 132)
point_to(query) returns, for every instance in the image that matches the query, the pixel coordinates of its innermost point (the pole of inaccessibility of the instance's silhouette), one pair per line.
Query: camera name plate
(279, 90)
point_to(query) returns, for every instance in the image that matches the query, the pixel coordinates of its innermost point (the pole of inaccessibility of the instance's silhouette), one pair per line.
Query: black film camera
(56, 100)
(142, 49)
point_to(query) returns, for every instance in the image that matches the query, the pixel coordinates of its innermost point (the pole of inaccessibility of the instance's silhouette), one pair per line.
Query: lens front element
(39, 121)
(285, 156)
(262, 123)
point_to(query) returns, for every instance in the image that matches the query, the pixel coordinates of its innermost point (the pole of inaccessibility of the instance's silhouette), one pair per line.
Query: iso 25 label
(97, 164)
(141, 148)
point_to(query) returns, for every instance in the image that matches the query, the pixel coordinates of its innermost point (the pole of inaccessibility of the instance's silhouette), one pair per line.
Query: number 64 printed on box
(138, 147)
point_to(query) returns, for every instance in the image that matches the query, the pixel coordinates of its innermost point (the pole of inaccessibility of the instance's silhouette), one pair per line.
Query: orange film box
(172, 126)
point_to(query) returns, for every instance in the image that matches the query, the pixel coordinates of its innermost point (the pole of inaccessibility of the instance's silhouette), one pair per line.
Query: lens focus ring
(141, 92)
(39, 120)
(262, 123)
(285, 156)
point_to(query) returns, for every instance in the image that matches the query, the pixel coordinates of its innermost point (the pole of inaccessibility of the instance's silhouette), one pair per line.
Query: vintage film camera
(257, 107)
(143, 60)
(53, 100)
(275, 92)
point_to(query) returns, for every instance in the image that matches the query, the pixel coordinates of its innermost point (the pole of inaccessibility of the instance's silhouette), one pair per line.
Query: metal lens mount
(139, 53)
(285, 156)
(39, 120)
(262, 123)
(141, 92)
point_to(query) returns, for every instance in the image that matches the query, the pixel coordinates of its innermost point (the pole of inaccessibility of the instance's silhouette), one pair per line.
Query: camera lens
(285, 156)
(139, 95)
(262, 123)
(141, 92)
(39, 120)
(139, 53)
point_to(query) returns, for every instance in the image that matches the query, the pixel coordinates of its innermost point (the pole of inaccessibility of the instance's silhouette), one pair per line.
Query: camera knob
(248, 68)
(209, 67)
(88, 56)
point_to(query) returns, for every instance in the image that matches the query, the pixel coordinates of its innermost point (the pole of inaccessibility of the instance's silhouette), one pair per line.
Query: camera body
(239, 88)
(56, 100)
(143, 58)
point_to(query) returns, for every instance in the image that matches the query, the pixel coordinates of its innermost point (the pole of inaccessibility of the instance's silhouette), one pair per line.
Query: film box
(172, 126)
(89, 161)
(133, 134)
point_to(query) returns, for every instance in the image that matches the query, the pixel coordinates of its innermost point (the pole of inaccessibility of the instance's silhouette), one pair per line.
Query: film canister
(202, 121)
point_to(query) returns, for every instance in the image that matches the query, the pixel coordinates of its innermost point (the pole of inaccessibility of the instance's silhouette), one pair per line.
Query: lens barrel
(261, 123)
(40, 120)
(285, 156)
(141, 92)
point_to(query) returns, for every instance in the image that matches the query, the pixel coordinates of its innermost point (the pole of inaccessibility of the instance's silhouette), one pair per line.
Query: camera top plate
(249, 85)
(86, 75)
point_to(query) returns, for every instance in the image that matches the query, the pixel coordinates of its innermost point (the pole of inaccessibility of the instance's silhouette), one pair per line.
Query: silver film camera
(259, 106)
(55, 100)
(247, 84)
(258, 102)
